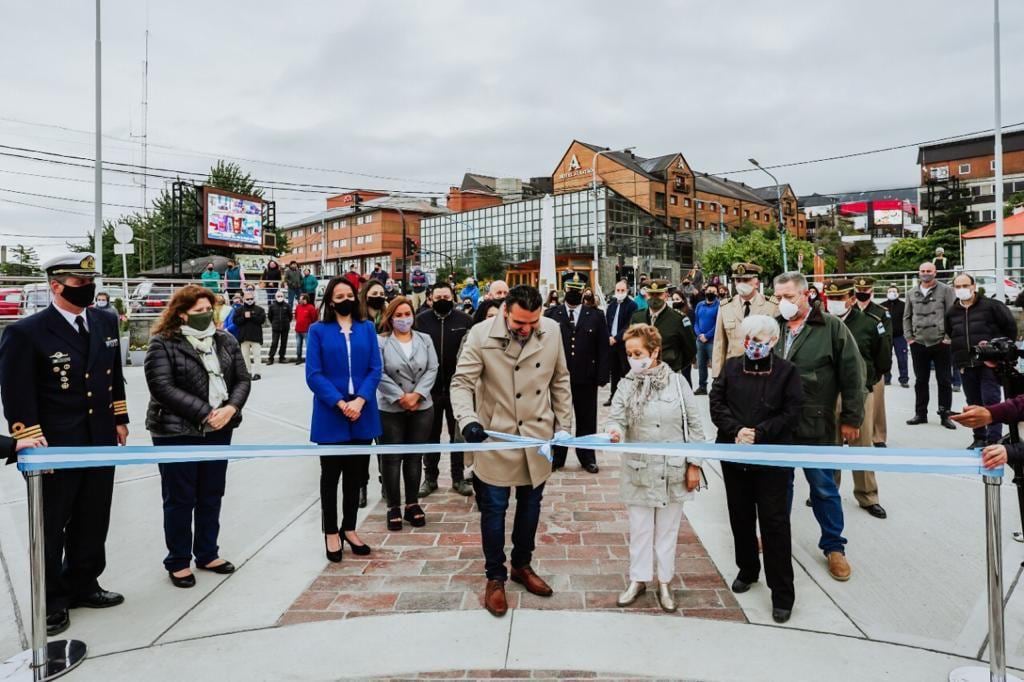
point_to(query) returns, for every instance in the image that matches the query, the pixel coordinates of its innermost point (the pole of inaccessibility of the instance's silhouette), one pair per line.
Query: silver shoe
(634, 590)
(665, 598)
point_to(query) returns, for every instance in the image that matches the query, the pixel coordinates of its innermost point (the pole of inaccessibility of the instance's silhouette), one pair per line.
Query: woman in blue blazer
(343, 368)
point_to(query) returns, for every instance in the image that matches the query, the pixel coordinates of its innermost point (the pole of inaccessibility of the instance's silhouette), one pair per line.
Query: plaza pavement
(913, 609)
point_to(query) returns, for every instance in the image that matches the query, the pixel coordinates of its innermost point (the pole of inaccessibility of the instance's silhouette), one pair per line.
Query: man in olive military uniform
(869, 333)
(585, 339)
(678, 342)
(748, 301)
(60, 376)
(863, 288)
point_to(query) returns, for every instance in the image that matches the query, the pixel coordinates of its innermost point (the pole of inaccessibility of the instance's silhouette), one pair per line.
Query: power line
(77, 201)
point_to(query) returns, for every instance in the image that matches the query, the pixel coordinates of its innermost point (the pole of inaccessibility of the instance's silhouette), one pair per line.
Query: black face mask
(863, 296)
(678, 305)
(573, 296)
(376, 302)
(344, 308)
(443, 306)
(710, 297)
(80, 297)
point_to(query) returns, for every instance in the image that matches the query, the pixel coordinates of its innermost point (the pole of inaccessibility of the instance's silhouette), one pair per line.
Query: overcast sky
(422, 92)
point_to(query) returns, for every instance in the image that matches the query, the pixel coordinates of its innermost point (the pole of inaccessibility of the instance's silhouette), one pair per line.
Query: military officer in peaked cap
(864, 288)
(678, 340)
(585, 339)
(61, 379)
(748, 301)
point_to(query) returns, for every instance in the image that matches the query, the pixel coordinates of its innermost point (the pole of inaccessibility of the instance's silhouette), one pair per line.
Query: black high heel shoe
(360, 550)
(335, 557)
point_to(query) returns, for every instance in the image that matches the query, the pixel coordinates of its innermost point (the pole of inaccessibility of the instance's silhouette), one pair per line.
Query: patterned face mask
(757, 350)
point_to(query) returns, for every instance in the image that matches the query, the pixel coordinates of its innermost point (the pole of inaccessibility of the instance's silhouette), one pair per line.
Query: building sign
(575, 170)
(888, 217)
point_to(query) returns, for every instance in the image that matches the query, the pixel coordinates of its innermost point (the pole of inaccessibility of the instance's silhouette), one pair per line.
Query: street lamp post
(593, 187)
(782, 220)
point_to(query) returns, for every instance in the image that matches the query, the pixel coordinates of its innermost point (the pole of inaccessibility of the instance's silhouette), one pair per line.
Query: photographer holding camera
(1007, 412)
(975, 320)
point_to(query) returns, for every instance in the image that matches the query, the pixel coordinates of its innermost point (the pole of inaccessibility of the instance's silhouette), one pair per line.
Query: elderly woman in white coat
(653, 404)
(406, 409)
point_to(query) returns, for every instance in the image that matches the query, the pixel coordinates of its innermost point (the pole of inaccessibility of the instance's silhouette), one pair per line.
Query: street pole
(98, 170)
(405, 249)
(998, 132)
(595, 283)
(323, 247)
(782, 220)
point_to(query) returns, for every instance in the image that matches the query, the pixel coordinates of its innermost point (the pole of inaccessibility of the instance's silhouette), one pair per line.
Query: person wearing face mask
(584, 332)
(279, 313)
(705, 317)
(471, 292)
(293, 280)
(309, 285)
(418, 283)
(390, 290)
(407, 413)
(305, 316)
(830, 366)
(498, 290)
(758, 398)
(863, 291)
(678, 342)
(895, 306)
(103, 301)
(512, 377)
(198, 385)
(729, 339)
(248, 321)
(271, 279)
(211, 279)
(975, 319)
(924, 325)
(654, 404)
(872, 342)
(60, 374)
(343, 369)
(372, 300)
(617, 316)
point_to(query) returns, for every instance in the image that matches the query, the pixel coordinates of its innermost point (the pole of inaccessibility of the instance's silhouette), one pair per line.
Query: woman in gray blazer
(406, 409)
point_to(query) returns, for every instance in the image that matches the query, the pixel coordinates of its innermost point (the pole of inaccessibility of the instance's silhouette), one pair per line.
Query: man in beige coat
(748, 301)
(511, 377)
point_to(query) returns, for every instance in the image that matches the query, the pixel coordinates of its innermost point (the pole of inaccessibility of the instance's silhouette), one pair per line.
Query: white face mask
(963, 294)
(744, 288)
(620, 296)
(788, 309)
(402, 324)
(640, 364)
(837, 308)
(101, 304)
(892, 295)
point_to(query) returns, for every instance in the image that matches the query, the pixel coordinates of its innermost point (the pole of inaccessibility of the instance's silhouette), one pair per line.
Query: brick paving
(516, 674)
(582, 552)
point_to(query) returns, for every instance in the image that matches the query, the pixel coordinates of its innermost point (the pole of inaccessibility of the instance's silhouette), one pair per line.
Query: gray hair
(760, 327)
(792, 276)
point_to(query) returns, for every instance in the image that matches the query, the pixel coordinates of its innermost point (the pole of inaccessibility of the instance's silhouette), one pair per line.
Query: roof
(479, 183)
(769, 194)
(627, 160)
(968, 148)
(712, 184)
(900, 193)
(1012, 226)
(407, 204)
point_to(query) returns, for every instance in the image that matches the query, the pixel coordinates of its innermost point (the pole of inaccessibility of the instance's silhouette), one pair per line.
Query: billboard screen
(231, 219)
(889, 217)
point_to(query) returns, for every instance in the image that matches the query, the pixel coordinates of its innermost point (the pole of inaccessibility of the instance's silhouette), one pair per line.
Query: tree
(490, 261)
(952, 209)
(762, 247)
(24, 262)
(1016, 199)
(908, 253)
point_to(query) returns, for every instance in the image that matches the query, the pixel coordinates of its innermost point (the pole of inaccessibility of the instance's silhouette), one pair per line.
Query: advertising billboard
(232, 220)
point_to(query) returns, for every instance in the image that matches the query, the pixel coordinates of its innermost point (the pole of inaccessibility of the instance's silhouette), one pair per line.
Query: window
(964, 169)
(687, 224)
(735, 211)
(992, 165)
(712, 206)
(700, 224)
(674, 222)
(686, 202)
(659, 200)
(368, 239)
(700, 205)
(939, 173)
(673, 200)
(757, 215)
(988, 216)
(746, 213)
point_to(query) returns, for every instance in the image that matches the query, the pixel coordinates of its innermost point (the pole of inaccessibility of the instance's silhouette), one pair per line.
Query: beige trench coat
(516, 389)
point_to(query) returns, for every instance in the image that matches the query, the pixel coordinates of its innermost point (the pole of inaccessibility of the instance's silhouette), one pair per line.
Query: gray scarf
(646, 385)
(205, 345)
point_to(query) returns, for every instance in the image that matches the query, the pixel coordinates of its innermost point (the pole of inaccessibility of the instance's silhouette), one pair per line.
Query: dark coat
(624, 311)
(446, 333)
(179, 384)
(869, 333)
(770, 403)
(249, 328)
(895, 310)
(984, 320)
(585, 343)
(678, 342)
(280, 315)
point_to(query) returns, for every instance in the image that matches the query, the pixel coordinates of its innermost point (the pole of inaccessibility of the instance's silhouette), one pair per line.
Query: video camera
(1003, 351)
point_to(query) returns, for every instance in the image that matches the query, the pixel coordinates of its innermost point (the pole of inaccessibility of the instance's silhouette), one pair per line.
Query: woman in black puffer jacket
(198, 385)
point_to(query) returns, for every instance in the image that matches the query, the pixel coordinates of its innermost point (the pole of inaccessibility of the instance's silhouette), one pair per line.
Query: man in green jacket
(871, 336)
(678, 342)
(830, 366)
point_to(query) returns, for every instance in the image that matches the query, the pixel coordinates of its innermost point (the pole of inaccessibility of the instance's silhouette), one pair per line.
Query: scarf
(646, 386)
(203, 342)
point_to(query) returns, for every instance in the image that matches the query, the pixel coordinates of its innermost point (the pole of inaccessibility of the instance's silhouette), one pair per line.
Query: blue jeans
(493, 503)
(899, 347)
(827, 507)
(956, 380)
(293, 295)
(703, 360)
(300, 339)
(982, 387)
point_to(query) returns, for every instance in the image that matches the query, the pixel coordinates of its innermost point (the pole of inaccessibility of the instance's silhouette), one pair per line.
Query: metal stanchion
(996, 670)
(45, 660)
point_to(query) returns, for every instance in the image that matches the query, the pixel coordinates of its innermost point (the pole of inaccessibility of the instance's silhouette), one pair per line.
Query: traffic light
(410, 247)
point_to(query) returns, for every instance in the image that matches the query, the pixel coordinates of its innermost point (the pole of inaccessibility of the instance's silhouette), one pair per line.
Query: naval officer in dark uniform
(585, 339)
(60, 377)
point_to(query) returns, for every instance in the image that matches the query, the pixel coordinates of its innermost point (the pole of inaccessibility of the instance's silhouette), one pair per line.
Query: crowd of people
(804, 366)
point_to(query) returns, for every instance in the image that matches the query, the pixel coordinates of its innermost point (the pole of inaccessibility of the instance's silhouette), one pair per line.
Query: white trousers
(653, 533)
(252, 353)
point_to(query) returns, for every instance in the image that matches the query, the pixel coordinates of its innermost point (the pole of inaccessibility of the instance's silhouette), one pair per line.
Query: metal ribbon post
(44, 660)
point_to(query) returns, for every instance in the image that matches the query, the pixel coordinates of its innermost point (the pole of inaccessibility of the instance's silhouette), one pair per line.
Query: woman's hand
(745, 436)
(615, 435)
(343, 405)
(354, 408)
(410, 401)
(993, 456)
(221, 417)
(37, 442)
(692, 477)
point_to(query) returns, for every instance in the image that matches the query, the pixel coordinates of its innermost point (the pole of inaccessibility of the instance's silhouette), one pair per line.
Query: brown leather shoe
(494, 598)
(531, 581)
(838, 567)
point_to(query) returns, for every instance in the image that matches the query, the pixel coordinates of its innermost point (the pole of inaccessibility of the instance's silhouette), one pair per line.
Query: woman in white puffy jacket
(653, 404)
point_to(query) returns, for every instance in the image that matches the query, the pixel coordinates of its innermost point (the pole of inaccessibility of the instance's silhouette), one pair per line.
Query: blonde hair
(647, 334)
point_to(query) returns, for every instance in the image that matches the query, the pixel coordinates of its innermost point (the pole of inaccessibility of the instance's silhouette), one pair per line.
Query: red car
(10, 301)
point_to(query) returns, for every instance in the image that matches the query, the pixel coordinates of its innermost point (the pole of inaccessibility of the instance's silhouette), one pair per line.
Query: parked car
(988, 283)
(150, 297)
(35, 297)
(10, 301)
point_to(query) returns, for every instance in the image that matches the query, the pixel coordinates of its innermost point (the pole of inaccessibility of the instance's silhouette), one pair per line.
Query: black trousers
(431, 461)
(618, 367)
(923, 357)
(759, 495)
(404, 427)
(192, 492)
(76, 517)
(584, 407)
(278, 336)
(353, 471)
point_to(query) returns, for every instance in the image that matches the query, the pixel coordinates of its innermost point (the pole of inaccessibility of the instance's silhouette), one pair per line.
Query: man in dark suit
(620, 312)
(585, 338)
(60, 375)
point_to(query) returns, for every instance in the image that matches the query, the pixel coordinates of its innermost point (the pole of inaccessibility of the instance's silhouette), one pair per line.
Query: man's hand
(850, 433)
(745, 436)
(122, 434)
(37, 442)
(973, 417)
(692, 477)
(910, 341)
(703, 339)
(474, 433)
(993, 456)
(611, 340)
